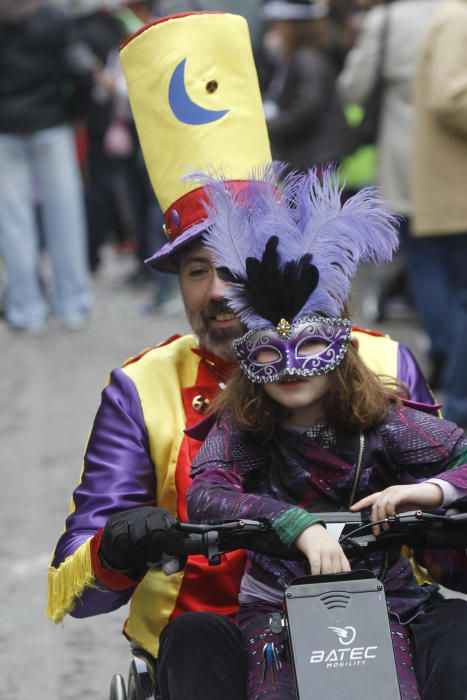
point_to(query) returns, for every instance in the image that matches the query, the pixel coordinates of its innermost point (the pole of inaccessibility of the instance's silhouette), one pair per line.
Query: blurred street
(50, 386)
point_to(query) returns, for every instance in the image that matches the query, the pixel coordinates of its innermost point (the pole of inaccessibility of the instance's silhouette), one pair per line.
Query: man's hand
(322, 550)
(134, 538)
(384, 504)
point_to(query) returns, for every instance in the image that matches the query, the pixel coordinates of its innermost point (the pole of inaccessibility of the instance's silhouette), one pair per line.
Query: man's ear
(355, 342)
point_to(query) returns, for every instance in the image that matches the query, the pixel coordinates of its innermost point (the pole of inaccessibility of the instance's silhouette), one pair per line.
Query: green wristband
(290, 524)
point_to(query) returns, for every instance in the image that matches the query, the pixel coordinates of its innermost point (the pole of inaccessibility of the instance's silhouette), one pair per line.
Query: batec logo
(345, 656)
(346, 634)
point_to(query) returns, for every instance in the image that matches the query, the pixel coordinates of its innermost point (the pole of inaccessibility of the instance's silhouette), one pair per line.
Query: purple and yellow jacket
(138, 453)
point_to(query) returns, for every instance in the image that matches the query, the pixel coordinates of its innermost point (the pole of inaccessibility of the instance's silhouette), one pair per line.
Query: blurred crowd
(379, 88)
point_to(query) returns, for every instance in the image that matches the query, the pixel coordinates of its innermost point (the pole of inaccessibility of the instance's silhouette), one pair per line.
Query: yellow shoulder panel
(379, 352)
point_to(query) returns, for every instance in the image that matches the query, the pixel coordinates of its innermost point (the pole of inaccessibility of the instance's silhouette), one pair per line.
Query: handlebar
(414, 528)
(214, 540)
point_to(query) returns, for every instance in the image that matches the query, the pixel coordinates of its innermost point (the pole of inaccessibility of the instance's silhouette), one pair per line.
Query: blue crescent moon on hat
(183, 107)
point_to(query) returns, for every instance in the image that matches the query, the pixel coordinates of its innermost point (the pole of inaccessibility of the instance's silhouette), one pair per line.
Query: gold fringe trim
(67, 583)
(421, 574)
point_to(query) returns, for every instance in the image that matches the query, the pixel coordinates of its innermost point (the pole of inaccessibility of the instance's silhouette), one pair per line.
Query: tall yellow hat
(196, 102)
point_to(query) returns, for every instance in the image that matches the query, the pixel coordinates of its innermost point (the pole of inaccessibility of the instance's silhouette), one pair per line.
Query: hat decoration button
(175, 218)
(211, 86)
(200, 403)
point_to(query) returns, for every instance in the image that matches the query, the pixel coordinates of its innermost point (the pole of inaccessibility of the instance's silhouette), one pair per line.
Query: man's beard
(218, 341)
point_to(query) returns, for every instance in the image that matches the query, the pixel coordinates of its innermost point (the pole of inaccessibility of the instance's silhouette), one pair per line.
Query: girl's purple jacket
(234, 477)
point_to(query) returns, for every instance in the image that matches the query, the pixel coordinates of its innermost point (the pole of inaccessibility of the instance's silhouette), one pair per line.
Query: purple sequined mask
(289, 348)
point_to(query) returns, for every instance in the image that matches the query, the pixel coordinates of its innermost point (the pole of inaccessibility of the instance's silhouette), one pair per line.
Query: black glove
(133, 539)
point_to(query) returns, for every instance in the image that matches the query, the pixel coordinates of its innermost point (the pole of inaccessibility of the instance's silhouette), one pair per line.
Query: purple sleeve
(421, 446)
(456, 476)
(219, 472)
(409, 372)
(118, 474)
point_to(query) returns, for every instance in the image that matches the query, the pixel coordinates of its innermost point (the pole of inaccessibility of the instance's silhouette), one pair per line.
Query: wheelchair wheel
(140, 681)
(117, 688)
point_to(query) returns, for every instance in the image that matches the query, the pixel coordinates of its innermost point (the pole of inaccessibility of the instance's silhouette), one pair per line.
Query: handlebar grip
(192, 544)
(205, 543)
(197, 543)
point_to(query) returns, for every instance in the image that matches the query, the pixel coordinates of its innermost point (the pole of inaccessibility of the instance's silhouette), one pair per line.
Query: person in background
(107, 213)
(344, 23)
(306, 123)
(42, 67)
(439, 200)
(393, 31)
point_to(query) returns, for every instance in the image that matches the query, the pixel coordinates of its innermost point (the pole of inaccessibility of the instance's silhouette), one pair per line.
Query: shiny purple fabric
(234, 478)
(290, 357)
(118, 474)
(409, 372)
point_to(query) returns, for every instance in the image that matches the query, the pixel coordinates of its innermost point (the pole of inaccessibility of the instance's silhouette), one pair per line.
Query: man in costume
(196, 102)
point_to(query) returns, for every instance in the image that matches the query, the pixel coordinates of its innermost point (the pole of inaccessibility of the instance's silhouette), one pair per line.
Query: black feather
(276, 293)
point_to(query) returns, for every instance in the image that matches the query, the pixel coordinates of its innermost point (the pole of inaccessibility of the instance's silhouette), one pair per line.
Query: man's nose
(218, 287)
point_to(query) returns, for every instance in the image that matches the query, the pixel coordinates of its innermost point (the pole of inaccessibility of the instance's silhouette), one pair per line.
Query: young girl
(305, 427)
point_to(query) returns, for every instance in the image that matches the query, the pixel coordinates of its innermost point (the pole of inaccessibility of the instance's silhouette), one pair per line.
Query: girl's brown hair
(356, 399)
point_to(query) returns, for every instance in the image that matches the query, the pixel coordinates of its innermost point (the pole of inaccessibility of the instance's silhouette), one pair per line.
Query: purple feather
(340, 237)
(305, 212)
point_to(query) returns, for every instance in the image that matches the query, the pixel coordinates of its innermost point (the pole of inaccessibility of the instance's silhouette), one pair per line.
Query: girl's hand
(322, 550)
(385, 503)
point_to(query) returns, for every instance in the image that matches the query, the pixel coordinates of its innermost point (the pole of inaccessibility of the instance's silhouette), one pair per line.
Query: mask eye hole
(310, 347)
(266, 356)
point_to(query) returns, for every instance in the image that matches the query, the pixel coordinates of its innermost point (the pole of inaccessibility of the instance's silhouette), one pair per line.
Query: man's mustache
(214, 308)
